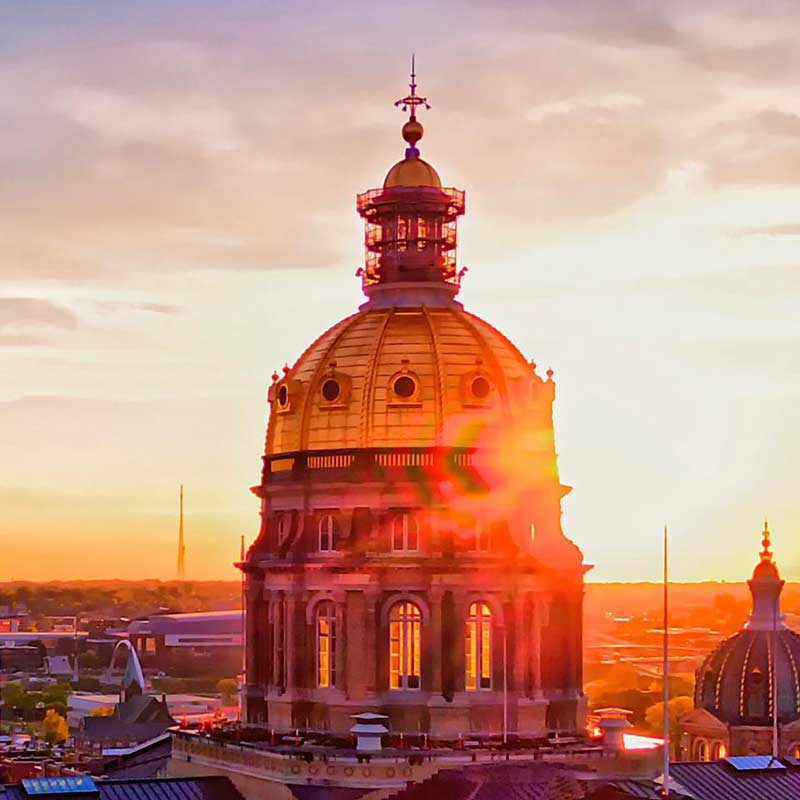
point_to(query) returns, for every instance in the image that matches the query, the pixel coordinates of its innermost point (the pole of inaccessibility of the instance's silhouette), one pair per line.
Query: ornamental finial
(412, 100)
(412, 130)
(766, 553)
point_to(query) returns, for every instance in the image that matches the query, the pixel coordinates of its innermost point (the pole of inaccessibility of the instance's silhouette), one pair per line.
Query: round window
(405, 387)
(480, 387)
(283, 396)
(331, 390)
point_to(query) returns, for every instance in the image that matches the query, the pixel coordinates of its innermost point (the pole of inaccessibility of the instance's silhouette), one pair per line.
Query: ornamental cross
(412, 100)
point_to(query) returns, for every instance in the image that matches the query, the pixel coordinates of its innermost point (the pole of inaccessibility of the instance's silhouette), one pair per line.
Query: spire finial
(412, 130)
(766, 553)
(412, 100)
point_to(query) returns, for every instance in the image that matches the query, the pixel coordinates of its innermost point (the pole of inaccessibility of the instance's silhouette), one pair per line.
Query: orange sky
(177, 187)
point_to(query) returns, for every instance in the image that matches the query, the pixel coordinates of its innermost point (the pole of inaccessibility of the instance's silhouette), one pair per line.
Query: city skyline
(181, 222)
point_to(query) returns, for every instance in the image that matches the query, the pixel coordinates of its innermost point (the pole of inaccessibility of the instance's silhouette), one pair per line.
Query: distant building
(136, 718)
(20, 659)
(208, 642)
(738, 683)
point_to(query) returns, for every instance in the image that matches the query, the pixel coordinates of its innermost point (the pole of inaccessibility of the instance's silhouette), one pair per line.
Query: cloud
(766, 230)
(35, 312)
(191, 121)
(154, 308)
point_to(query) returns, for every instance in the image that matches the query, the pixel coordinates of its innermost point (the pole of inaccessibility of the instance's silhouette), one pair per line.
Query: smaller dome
(734, 683)
(766, 569)
(412, 171)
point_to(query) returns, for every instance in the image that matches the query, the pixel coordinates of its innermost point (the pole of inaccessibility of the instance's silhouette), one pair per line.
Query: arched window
(405, 532)
(701, 750)
(478, 642)
(326, 645)
(284, 527)
(328, 533)
(405, 622)
(718, 751)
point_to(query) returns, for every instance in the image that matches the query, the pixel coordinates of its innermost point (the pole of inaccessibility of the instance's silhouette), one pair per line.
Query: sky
(177, 190)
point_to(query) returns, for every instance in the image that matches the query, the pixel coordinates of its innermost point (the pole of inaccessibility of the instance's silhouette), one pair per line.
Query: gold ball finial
(412, 132)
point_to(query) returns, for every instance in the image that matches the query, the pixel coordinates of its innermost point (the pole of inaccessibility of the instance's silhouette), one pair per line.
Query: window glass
(405, 646)
(478, 648)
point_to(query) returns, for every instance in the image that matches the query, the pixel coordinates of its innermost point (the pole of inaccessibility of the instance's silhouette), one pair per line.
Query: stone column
(278, 641)
(432, 642)
(458, 653)
(521, 635)
(266, 651)
(371, 628)
(536, 647)
(340, 654)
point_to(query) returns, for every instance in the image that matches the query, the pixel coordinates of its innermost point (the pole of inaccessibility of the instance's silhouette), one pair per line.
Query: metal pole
(666, 669)
(505, 684)
(774, 680)
(244, 638)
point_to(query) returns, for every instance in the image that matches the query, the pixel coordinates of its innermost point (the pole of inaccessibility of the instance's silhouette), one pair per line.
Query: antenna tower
(181, 545)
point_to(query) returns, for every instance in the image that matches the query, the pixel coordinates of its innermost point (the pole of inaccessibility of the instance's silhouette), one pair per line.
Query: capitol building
(410, 560)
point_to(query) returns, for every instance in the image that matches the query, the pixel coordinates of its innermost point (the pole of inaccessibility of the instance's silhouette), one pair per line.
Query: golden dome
(412, 171)
(400, 377)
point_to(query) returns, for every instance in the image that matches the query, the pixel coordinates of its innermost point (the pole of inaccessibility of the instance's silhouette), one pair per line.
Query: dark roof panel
(717, 780)
(216, 787)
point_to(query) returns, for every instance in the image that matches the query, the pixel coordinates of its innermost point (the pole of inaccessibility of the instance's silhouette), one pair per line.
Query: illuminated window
(326, 645)
(403, 231)
(422, 233)
(479, 647)
(405, 532)
(794, 751)
(328, 530)
(404, 646)
(719, 751)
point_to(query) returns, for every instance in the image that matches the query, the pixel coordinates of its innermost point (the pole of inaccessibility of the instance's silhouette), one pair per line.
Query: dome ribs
(793, 665)
(743, 676)
(437, 360)
(368, 392)
(320, 367)
(489, 354)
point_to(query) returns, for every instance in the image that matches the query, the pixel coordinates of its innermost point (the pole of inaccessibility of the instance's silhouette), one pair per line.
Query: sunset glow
(178, 222)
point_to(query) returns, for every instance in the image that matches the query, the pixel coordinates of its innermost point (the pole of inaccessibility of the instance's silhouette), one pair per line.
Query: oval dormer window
(405, 387)
(331, 390)
(480, 387)
(283, 395)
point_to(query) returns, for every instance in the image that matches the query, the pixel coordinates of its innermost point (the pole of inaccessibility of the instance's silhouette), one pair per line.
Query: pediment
(701, 718)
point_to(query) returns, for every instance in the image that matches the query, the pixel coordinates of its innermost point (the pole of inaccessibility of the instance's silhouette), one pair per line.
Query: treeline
(119, 598)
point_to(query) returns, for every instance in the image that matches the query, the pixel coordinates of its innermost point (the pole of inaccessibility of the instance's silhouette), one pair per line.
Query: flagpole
(774, 680)
(666, 670)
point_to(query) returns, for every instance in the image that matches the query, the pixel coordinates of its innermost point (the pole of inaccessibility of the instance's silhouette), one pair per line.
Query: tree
(229, 689)
(678, 707)
(101, 711)
(55, 727)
